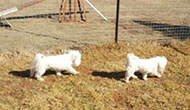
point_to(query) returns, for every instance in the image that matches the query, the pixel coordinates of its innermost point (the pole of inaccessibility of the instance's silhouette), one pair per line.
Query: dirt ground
(36, 28)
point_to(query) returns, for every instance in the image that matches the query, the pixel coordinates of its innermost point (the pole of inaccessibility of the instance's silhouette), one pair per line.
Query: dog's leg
(72, 70)
(161, 70)
(145, 76)
(128, 75)
(32, 73)
(157, 73)
(38, 77)
(58, 73)
(127, 79)
(134, 76)
(39, 73)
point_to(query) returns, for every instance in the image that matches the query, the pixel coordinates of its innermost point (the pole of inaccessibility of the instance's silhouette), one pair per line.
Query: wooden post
(64, 9)
(75, 10)
(30, 3)
(70, 9)
(60, 11)
(84, 10)
(81, 7)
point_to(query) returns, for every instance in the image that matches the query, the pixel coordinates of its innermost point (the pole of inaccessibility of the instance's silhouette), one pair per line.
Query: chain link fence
(139, 19)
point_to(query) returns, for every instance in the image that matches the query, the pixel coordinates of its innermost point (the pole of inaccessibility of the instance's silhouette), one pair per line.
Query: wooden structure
(20, 7)
(80, 4)
(17, 8)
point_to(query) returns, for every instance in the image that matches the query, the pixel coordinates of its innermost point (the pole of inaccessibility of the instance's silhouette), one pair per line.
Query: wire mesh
(146, 19)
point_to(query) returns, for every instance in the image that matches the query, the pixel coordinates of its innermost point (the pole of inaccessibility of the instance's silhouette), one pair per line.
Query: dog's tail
(131, 57)
(131, 60)
(35, 64)
(162, 64)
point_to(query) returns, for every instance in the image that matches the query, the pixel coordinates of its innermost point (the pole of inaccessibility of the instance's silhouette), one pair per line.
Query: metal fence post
(117, 21)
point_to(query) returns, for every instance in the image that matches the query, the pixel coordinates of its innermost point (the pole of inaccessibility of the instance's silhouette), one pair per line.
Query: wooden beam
(28, 4)
(20, 7)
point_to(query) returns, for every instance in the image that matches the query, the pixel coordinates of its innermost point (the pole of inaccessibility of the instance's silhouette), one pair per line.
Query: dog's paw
(126, 81)
(76, 73)
(145, 79)
(159, 75)
(135, 77)
(40, 79)
(58, 74)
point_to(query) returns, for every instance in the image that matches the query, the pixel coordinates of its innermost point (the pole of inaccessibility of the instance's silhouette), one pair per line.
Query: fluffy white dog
(57, 63)
(155, 65)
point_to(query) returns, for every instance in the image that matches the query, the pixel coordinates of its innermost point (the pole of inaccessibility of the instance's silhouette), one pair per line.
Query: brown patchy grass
(100, 83)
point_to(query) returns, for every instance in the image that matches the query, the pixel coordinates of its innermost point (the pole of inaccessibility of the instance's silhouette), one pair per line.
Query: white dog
(57, 63)
(155, 65)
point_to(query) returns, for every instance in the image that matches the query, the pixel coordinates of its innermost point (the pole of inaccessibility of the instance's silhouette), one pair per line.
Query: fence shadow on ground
(4, 25)
(48, 15)
(26, 73)
(176, 31)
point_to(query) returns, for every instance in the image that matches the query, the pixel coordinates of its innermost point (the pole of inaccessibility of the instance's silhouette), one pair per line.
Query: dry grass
(100, 82)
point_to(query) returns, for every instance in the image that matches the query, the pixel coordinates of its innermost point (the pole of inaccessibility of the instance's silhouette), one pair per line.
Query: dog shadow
(26, 73)
(117, 75)
(111, 75)
(140, 75)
